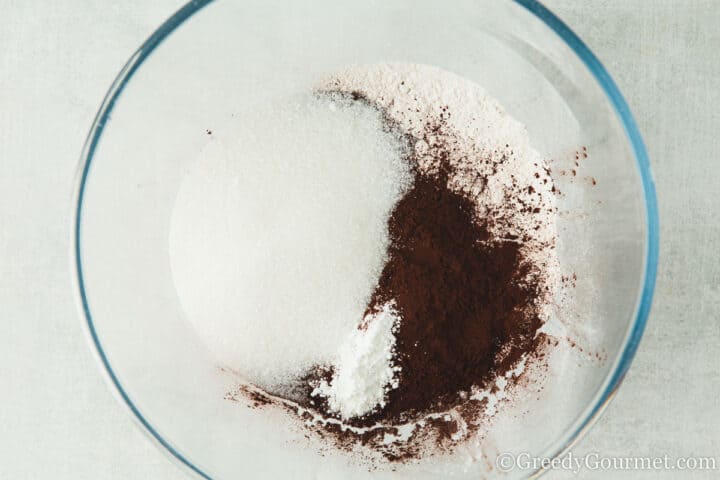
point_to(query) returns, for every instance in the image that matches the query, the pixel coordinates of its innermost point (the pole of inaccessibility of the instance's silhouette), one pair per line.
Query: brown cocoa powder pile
(466, 302)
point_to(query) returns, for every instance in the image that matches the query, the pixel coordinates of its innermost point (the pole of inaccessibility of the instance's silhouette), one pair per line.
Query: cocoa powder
(466, 301)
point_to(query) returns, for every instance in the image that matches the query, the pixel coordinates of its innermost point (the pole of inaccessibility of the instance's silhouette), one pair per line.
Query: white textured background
(58, 419)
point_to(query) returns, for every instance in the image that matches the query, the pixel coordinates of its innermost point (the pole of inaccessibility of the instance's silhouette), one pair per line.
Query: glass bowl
(212, 60)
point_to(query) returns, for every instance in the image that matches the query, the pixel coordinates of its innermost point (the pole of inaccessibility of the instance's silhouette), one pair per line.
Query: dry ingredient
(365, 371)
(463, 286)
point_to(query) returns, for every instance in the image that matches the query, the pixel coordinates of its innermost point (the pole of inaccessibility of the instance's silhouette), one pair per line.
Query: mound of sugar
(279, 233)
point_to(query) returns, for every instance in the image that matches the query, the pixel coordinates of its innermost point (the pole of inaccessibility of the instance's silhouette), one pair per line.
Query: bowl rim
(621, 365)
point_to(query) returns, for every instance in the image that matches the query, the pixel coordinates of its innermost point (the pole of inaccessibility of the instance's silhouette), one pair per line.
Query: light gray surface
(58, 419)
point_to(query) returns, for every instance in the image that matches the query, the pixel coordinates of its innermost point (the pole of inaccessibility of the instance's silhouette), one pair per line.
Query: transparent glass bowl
(212, 60)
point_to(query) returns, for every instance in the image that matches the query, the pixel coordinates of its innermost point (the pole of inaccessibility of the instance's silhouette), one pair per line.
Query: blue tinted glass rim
(533, 6)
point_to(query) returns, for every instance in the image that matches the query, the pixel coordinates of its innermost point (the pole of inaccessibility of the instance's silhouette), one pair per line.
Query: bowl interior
(230, 57)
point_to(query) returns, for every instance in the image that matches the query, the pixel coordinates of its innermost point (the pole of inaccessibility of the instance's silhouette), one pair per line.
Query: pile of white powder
(364, 370)
(279, 232)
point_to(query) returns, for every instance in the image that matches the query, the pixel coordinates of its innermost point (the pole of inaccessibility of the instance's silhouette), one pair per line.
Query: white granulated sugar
(279, 233)
(364, 371)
